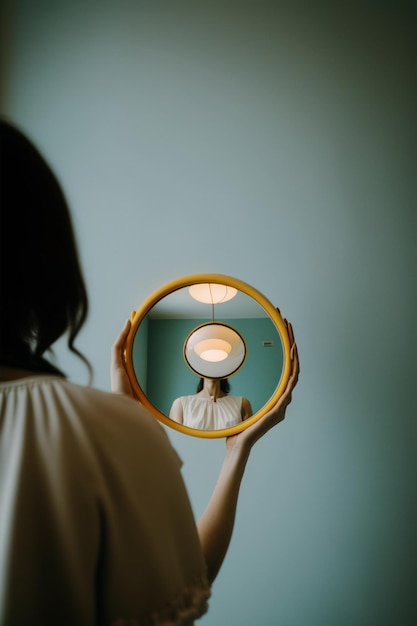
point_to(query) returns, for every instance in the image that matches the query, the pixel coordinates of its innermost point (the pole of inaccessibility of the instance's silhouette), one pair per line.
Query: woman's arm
(215, 527)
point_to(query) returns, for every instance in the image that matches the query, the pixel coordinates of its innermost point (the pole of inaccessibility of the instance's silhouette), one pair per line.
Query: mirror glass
(163, 366)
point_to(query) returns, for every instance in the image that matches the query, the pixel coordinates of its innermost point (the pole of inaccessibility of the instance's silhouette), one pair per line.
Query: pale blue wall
(275, 144)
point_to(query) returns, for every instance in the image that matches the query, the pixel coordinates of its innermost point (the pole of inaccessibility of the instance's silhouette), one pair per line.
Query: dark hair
(224, 385)
(42, 290)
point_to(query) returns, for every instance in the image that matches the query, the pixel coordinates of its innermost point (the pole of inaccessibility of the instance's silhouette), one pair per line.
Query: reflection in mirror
(211, 407)
(160, 367)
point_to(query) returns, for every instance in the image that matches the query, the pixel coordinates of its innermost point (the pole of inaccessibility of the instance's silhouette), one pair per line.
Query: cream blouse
(96, 526)
(209, 414)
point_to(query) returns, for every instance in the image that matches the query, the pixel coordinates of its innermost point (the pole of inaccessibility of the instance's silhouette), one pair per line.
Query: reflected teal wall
(140, 353)
(169, 376)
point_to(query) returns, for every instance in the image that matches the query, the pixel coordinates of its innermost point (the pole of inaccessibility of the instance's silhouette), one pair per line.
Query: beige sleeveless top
(201, 412)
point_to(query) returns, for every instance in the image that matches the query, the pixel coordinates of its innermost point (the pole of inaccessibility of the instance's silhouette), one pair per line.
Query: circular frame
(186, 281)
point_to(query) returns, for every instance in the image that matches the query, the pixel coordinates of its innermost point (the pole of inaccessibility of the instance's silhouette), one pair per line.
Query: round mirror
(205, 332)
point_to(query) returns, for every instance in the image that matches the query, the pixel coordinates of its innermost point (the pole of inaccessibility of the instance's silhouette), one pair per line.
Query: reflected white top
(96, 525)
(209, 414)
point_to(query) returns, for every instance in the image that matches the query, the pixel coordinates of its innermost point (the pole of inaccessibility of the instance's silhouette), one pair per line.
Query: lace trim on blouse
(182, 611)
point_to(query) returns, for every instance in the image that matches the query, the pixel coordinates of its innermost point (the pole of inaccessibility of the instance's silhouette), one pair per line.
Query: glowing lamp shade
(212, 293)
(214, 350)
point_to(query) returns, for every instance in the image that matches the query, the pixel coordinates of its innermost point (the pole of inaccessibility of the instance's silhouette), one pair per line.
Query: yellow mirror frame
(186, 281)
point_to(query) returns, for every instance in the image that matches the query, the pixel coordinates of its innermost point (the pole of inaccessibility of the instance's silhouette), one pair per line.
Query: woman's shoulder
(76, 402)
(88, 418)
(103, 405)
(231, 399)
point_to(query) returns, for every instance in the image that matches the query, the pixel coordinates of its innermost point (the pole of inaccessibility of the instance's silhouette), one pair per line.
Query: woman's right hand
(247, 438)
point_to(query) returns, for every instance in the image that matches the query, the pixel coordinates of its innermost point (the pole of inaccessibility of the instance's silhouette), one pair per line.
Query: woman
(212, 407)
(96, 527)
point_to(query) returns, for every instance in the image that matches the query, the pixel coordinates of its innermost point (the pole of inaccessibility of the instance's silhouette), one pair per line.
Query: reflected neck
(211, 389)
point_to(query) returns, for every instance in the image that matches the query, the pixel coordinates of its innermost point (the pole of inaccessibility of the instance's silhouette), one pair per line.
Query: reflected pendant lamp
(214, 350)
(212, 293)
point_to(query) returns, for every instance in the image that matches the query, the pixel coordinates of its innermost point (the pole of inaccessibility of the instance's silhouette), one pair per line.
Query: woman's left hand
(120, 382)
